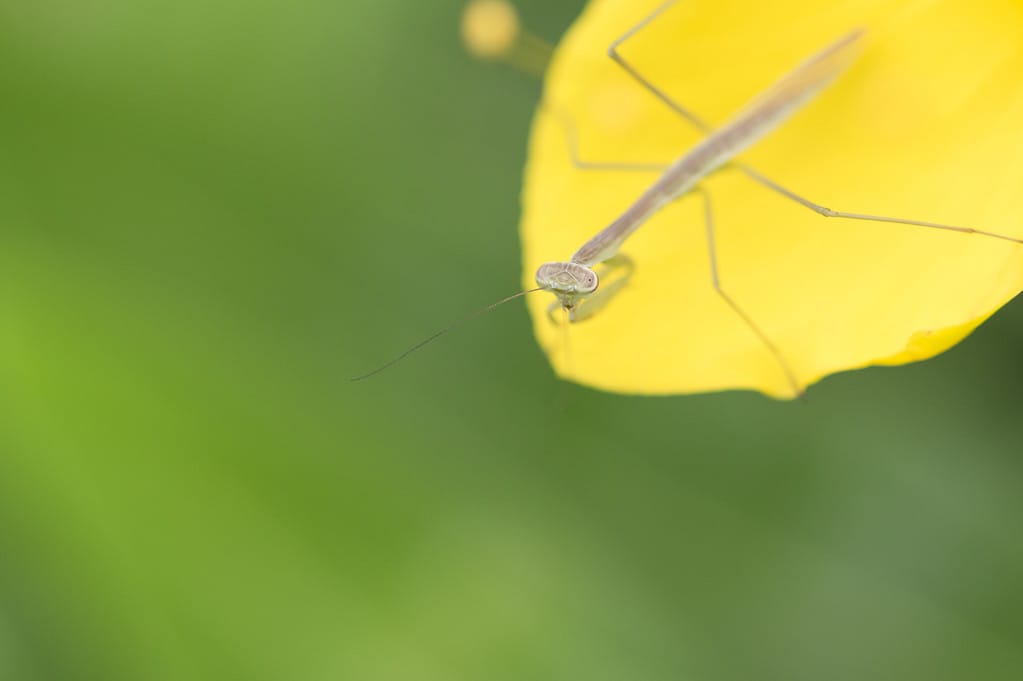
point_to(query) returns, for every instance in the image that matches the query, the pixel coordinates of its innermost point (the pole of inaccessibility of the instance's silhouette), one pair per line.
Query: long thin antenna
(429, 339)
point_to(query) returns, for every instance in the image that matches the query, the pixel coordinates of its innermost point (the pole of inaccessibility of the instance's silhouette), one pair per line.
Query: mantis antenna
(437, 334)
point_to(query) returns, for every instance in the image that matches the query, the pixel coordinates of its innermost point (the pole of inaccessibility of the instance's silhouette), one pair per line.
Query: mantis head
(569, 281)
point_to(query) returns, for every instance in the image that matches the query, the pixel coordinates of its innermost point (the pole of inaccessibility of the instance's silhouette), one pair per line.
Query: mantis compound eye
(589, 281)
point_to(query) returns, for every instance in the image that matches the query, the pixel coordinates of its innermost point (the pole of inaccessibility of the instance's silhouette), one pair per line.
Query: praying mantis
(577, 283)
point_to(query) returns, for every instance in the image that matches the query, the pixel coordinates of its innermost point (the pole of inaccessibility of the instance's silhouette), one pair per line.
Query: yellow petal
(927, 125)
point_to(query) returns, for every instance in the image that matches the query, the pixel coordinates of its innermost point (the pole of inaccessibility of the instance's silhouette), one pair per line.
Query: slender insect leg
(715, 279)
(612, 51)
(572, 139)
(829, 213)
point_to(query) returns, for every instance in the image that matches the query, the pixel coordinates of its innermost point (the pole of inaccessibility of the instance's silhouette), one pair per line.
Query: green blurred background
(212, 213)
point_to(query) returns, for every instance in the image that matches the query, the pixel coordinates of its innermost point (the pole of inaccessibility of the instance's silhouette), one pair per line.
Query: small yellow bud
(490, 28)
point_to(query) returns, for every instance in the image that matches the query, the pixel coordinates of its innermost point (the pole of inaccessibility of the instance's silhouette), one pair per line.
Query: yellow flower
(926, 125)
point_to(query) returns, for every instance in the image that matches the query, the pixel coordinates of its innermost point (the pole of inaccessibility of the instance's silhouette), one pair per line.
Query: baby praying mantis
(576, 283)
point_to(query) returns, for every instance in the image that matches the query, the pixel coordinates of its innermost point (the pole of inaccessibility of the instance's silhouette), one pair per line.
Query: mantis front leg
(614, 276)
